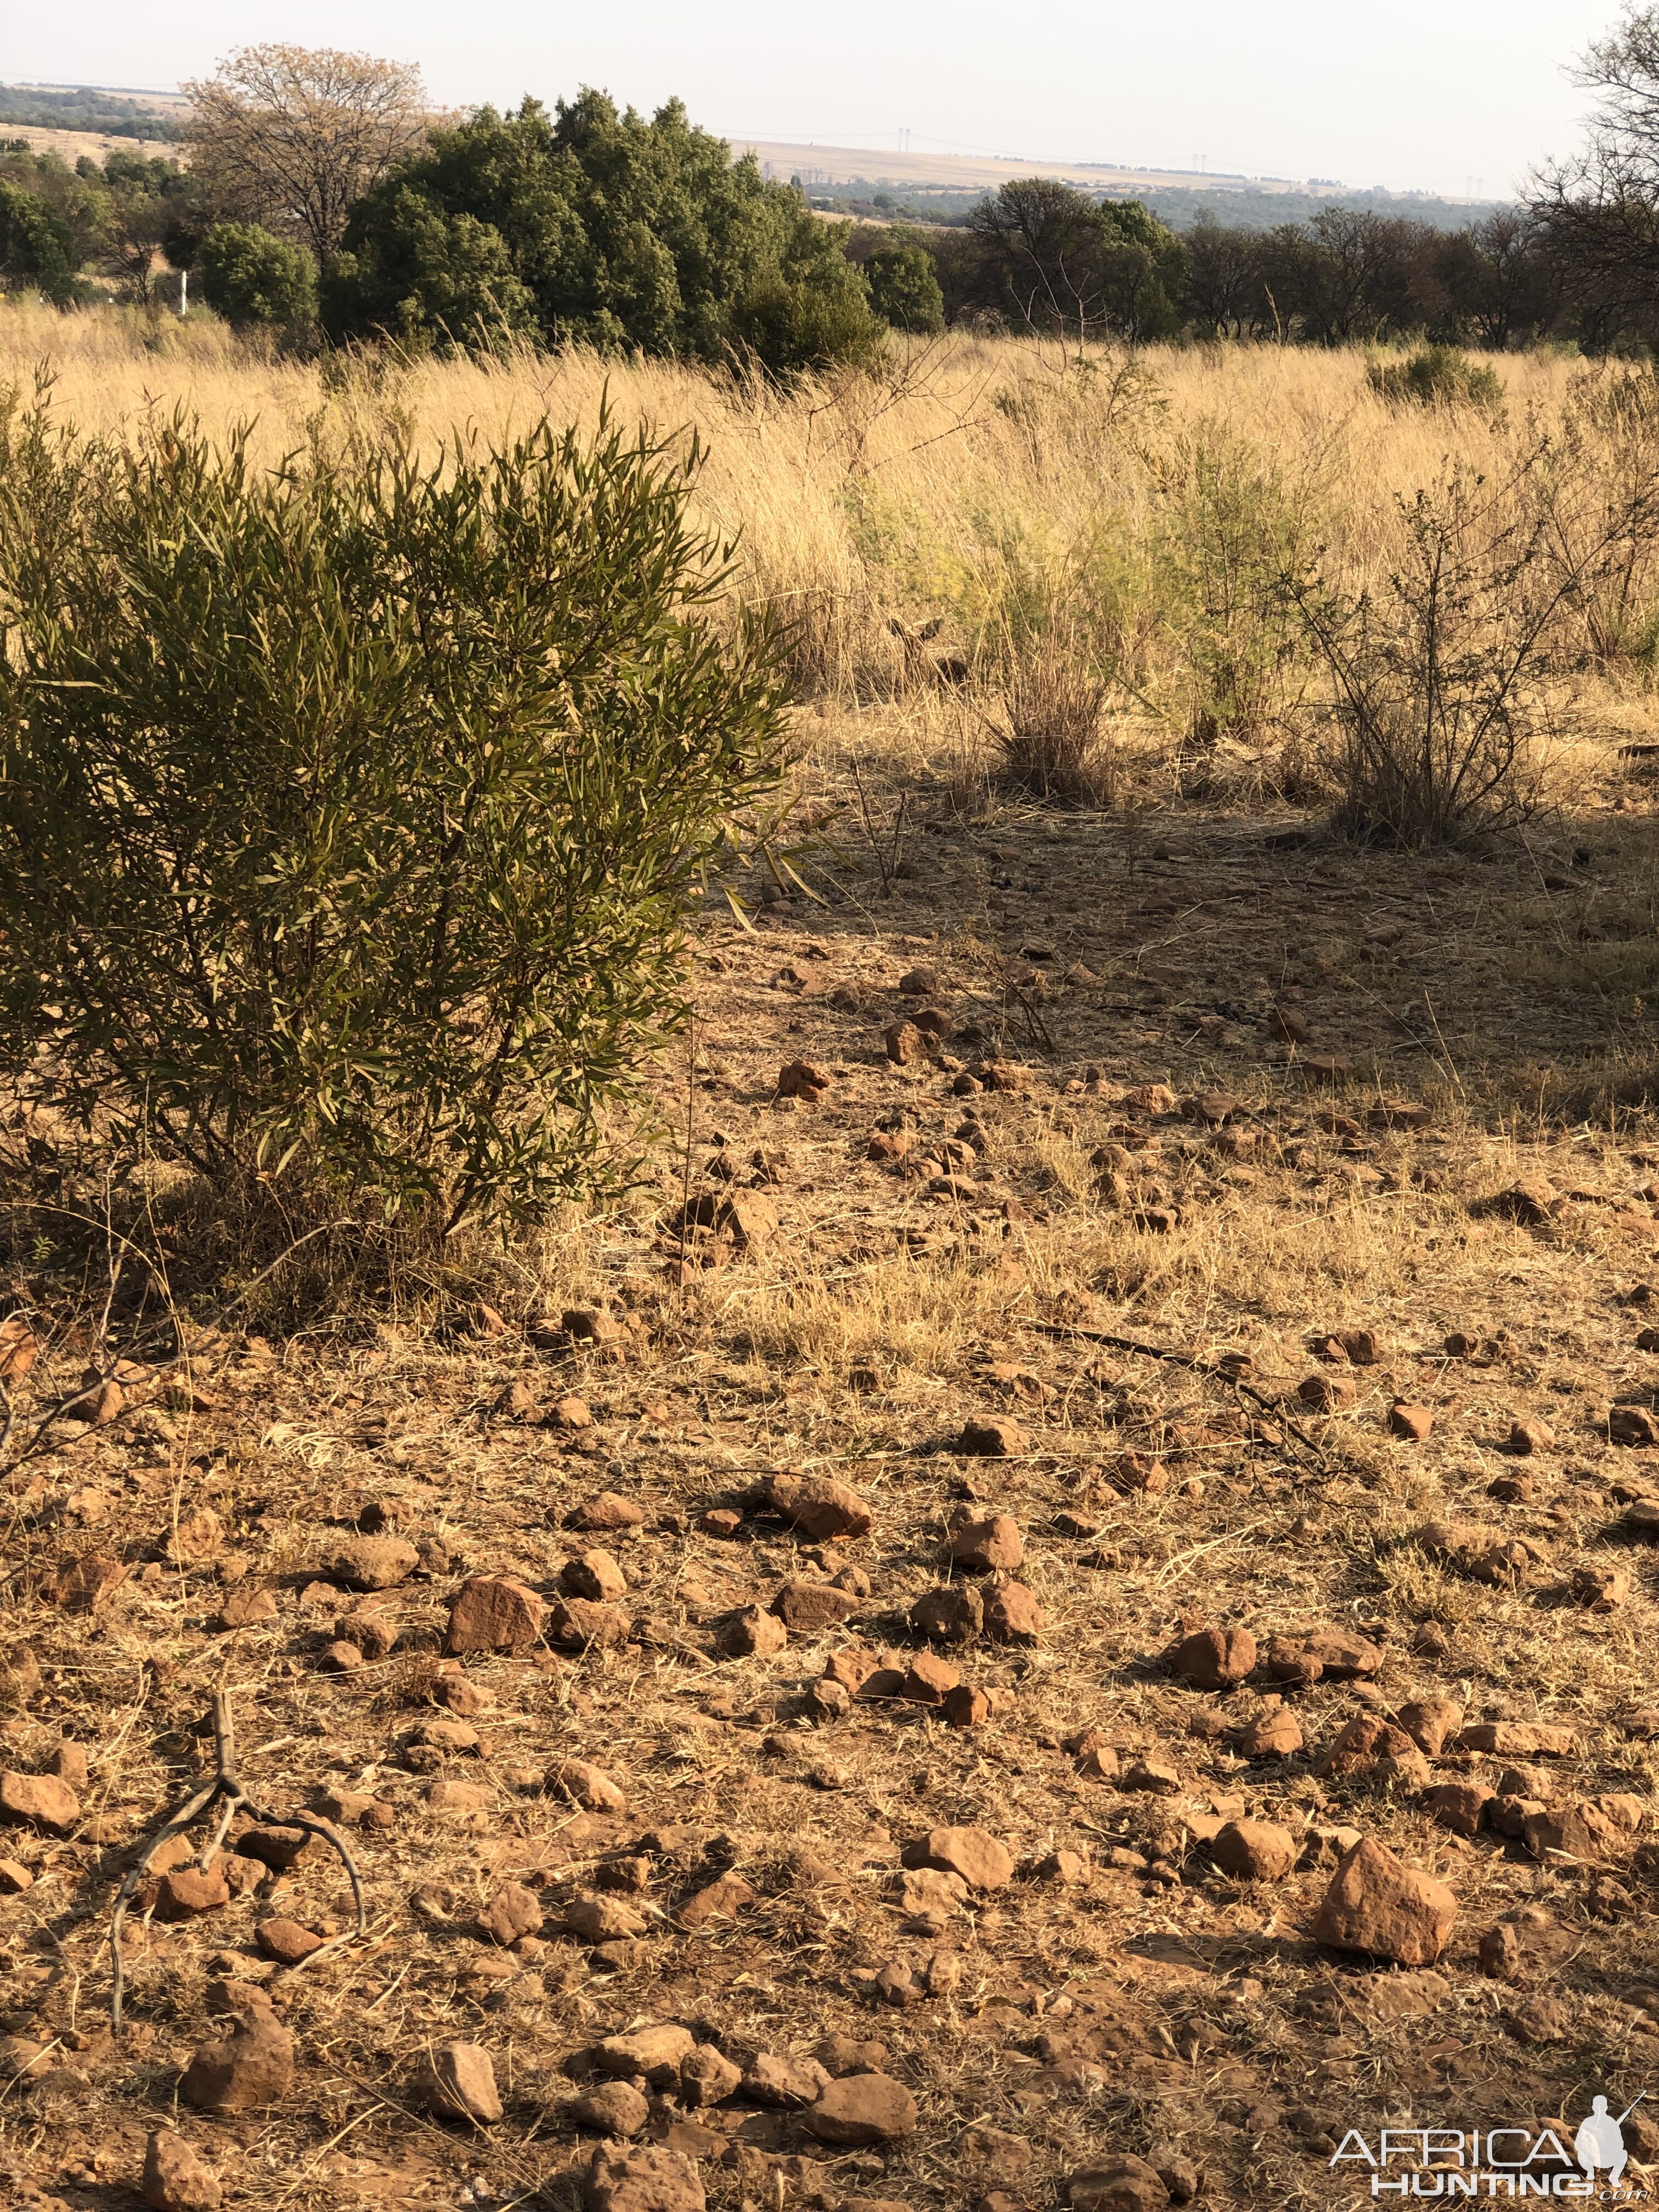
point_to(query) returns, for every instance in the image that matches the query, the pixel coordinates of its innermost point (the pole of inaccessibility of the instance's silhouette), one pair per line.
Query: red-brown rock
(175, 2179)
(251, 2067)
(1013, 1614)
(862, 2108)
(41, 1799)
(994, 1437)
(754, 1633)
(641, 2178)
(1214, 1658)
(974, 1853)
(982, 1547)
(493, 1612)
(1383, 1910)
(826, 1509)
(1254, 1850)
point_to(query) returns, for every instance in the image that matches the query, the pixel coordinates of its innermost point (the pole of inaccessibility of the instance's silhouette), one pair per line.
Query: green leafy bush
(598, 226)
(904, 288)
(35, 246)
(1438, 376)
(249, 276)
(348, 811)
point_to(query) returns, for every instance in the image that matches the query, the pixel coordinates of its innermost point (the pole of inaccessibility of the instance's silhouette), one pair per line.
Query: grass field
(1167, 1117)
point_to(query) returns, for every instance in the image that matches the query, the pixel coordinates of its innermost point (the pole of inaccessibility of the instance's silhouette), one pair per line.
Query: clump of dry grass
(1125, 522)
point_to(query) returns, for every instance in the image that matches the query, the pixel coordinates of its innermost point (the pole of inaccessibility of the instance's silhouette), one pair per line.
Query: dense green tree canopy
(250, 276)
(595, 224)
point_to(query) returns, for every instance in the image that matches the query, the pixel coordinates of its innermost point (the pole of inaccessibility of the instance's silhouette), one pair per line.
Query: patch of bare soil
(1072, 1595)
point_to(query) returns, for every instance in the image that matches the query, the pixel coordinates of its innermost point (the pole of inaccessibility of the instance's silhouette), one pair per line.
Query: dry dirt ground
(1149, 1158)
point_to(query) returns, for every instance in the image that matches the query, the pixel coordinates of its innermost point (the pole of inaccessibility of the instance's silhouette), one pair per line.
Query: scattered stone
(1323, 1653)
(1500, 1953)
(1383, 1910)
(929, 1680)
(771, 2080)
(1415, 1423)
(581, 1624)
(1255, 1850)
(754, 1633)
(1276, 1734)
(609, 1511)
(1371, 1747)
(982, 1547)
(862, 2108)
(571, 1413)
(1069, 1868)
(1531, 1202)
(801, 1079)
(951, 1614)
(246, 1606)
(175, 2179)
(919, 983)
(1527, 1436)
(723, 1521)
(1123, 2183)
(1013, 1614)
(590, 1787)
(41, 1799)
(615, 2108)
(1428, 1722)
(993, 1438)
(492, 1613)
(1632, 1425)
(1214, 1658)
(185, 1892)
(722, 1899)
(647, 2178)
(251, 2067)
(1519, 1739)
(512, 1912)
(827, 1511)
(926, 1891)
(594, 1574)
(86, 1584)
(808, 1608)
(1459, 1806)
(1155, 1775)
(974, 1853)
(287, 1941)
(458, 2082)
(707, 2076)
(906, 1043)
(966, 1707)
(371, 1563)
(15, 1878)
(1328, 1394)
(654, 2053)
(1603, 1589)
(603, 1920)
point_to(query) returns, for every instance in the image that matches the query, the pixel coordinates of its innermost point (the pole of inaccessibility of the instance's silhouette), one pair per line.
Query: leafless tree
(290, 136)
(1599, 213)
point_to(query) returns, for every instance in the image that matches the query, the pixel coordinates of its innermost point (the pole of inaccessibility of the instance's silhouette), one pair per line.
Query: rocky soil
(1060, 1614)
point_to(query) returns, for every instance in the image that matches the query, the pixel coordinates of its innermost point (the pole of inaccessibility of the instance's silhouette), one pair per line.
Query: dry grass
(1511, 994)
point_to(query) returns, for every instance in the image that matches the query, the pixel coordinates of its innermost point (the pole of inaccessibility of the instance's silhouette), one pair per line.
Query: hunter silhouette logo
(1601, 2141)
(1497, 2162)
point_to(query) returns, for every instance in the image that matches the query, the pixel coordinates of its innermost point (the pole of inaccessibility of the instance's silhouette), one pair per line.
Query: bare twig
(1221, 1372)
(225, 1788)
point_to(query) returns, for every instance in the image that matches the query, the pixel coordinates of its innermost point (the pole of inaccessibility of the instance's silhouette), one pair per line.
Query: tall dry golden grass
(981, 496)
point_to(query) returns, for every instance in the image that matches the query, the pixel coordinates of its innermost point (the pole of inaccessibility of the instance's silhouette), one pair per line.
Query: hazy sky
(1412, 93)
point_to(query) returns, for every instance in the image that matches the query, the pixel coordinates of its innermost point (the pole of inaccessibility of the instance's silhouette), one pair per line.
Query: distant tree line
(323, 195)
(83, 107)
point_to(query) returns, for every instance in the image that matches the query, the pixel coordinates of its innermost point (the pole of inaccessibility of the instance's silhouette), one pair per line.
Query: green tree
(1071, 267)
(250, 276)
(619, 231)
(904, 288)
(36, 248)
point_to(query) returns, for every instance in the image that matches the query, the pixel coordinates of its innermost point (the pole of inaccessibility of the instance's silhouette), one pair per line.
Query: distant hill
(943, 187)
(117, 112)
